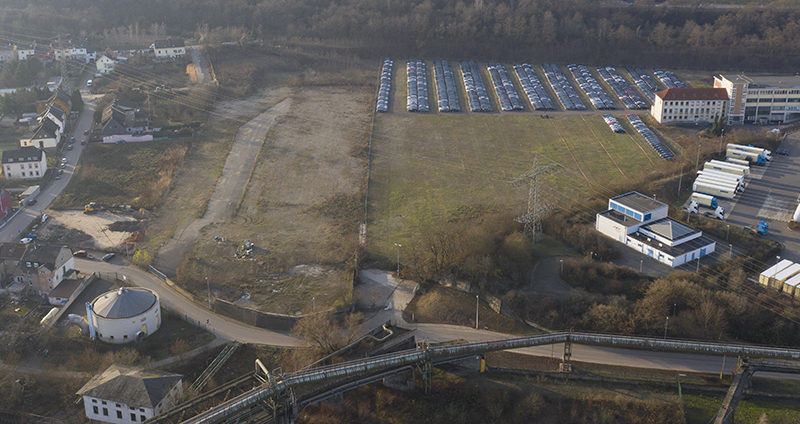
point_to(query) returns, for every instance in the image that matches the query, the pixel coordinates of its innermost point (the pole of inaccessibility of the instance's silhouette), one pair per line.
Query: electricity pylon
(532, 219)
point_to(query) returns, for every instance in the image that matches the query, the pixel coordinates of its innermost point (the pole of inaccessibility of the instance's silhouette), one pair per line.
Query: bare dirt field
(87, 231)
(301, 208)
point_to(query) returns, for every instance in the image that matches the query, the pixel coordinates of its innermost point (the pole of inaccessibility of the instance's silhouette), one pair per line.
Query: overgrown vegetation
(136, 174)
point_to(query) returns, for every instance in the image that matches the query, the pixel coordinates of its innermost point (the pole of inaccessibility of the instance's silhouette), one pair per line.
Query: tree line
(558, 30)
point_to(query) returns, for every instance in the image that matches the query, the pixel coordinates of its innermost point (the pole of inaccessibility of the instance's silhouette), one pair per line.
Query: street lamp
(680, 393)
(398, 246)
(666, 326)
(641, 263)
(562, 265)
(208, 286)
(477, 298)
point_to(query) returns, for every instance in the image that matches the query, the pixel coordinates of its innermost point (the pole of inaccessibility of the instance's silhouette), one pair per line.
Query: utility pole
(680, 181)
(477, 299)
(666, 326)
(697, 162)
(532, 219)
(208, 286)
(398, 246)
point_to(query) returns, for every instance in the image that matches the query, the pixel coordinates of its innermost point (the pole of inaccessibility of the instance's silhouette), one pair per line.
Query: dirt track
(78, 229)
(229, 188)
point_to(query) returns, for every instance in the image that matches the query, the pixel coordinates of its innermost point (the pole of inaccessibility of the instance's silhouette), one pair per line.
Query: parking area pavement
(772, 196)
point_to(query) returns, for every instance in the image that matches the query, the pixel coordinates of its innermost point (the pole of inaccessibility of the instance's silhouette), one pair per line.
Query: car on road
(31, 236)
(83, 142)
(782, 152)
(108, 256)
(80, 254)
(69, 147)
(30, 202)
(58, 177)
(63, 165)
(72, 139)
(25, 240)
(85, 132)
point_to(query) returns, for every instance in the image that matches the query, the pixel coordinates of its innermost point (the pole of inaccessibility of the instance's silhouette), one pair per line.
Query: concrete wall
(251, 316)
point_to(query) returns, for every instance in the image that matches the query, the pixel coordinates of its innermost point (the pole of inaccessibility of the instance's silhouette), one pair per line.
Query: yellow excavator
(91, 208)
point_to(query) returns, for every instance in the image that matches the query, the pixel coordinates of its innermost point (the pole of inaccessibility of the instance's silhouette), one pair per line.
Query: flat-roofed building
(689, 105)
(641, 223)
(761, 99)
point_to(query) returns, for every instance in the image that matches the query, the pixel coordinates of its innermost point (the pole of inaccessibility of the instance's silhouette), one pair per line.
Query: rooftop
(134, 387)
(670, 229)
(24, 154)
(620, 218)
(674, 251)
(638, 201)
(693, 94)
(772, 81)
(123, 303)
(65, 288)
(44, 254)
(164, 44)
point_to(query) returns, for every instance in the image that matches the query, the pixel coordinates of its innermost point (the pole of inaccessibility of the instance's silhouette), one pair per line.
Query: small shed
(771, 271)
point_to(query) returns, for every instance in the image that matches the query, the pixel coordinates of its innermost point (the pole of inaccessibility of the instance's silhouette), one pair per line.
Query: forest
(747, 38)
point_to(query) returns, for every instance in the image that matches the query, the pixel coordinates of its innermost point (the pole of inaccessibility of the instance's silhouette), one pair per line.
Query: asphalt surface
(772, 196)
(229, 190)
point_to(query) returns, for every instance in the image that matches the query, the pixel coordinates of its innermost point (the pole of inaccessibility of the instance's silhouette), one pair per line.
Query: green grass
(426, 167)
(701, 409)
(549, 246)
(136, 174)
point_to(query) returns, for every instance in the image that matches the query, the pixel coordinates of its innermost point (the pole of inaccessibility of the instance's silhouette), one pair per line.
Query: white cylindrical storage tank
(126, 314)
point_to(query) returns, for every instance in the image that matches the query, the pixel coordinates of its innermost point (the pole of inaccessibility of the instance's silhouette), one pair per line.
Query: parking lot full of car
(533, 88)
(624, 91)
(566, 94)
(477, 96)
(650, 136)
(385, 87)
(446, 93)
(597, 96)
(417, 97)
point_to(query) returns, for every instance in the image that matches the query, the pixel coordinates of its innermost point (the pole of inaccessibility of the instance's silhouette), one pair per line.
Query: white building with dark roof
(24, 163)
(124, 315)
(123, 395)
(689, 105)
(46, 136)
(641, 223)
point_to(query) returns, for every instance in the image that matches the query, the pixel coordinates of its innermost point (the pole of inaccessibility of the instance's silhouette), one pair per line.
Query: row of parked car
(445, 86)
(567, 95)
(644, 81)
(385, 87)
(506, 93)
(477, 96)
(599, 98)
(533, 88)
(613, 124)
(417, 98)
(651, 138)
(668, 78)
(624, 90)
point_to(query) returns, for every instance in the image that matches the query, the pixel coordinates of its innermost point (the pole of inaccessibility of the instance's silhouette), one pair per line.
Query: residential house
(10, 256)
(45, 266)
(123, 394)
(60, 99)
(56, 115)
(46, 136)
(24, 163)
(105, 64)
(168, 49)
(69, 52)
(124, 122)
(24, 52)
(6, 55)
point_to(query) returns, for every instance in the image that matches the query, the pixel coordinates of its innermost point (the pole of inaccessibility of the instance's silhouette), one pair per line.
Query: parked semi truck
(705, 200)
(718, 183)
(729, 168)
(723, 181)
(713, 172)
(718, 213)
(745, 168)
(749, 148)
(753, 158)
(737, 161)
(713, 190)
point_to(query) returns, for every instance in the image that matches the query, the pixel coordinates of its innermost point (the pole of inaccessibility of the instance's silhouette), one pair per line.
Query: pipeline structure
(278, 391)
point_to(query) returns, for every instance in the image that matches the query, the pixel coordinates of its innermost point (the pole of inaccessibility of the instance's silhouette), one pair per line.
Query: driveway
(771, 195)
(229, 190)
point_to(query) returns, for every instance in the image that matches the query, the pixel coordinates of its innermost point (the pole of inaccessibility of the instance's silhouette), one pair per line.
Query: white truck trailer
(714, 172)
(760, 150)
(751, 157)
(737, 161)
(704, 200)
(729, 168)
(713, 190)
(720, 179)
(721, 183)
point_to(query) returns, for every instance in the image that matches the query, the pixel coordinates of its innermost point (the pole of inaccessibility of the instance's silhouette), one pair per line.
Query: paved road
(220, 325)
(771, 195)
(13, 229)
(229, 190)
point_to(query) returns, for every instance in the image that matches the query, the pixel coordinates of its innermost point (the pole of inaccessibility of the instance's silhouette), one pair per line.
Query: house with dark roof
(168, 49)
(45, 266)
(123, 394)
(689, 105)
(57, 115)
(46, 136)
(10, 256)
(24, 163)
(123, 122)
(641, 223)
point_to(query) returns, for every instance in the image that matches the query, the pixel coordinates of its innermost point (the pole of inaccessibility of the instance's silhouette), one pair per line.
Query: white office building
(762, 99)
(641, 223)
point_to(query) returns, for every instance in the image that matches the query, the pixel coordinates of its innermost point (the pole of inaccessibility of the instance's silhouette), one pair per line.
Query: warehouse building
(763, 99)
(689, 105)
(641, 223)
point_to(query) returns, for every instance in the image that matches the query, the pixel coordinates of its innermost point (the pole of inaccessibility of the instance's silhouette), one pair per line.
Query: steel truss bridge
(281, 397)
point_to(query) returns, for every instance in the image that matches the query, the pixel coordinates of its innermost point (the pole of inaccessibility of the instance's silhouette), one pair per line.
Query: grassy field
(700, 409)
(136, 174)
(428, 167)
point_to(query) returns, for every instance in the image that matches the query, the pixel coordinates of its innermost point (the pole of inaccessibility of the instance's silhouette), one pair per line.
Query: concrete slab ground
(772, 196)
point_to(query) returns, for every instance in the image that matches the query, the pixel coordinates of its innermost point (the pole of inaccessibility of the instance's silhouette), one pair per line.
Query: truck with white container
(713, 172)
(713, 189)
(727, 167)
(751, 157)
(737, 161)
(758, 150)
(704, 200)
(719, 181)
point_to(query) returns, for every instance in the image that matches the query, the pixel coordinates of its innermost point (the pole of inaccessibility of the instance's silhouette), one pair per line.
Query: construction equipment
(91, 208)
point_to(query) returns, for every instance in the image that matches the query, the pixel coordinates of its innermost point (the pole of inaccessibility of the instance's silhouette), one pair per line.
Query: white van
(89, 83)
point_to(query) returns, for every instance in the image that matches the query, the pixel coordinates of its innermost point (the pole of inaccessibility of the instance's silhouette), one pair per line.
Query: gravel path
(229, 190)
